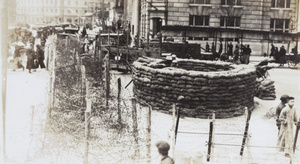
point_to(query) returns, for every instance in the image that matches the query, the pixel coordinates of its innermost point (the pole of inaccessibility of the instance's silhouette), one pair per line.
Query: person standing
(163, 149)
(30, 58)
(288, 117)
(213, 47)
(207, 47)
(40, 57)
(242, 56)
(282, 54)
(230, 49)
(279, 108)
(247, 53)
(272, 51)
(17, 58)
(221, 48)
(276, 55)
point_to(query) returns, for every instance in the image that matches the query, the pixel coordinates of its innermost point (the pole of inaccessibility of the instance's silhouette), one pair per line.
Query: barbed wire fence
(60, 133)
(122, 131)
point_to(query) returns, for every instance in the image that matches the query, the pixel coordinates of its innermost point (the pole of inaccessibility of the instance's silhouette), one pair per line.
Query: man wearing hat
(288, 117)
(279, 108)
(163, 149)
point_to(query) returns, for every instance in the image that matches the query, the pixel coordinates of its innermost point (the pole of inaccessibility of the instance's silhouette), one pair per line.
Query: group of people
(33, 47)
(278, 55)
(241, 52)
(286, 118)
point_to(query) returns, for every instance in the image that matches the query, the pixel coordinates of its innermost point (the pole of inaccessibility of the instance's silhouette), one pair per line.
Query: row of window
(50, 2)
(281, 25)
(274, 3)
(195, 20)
(46, 10)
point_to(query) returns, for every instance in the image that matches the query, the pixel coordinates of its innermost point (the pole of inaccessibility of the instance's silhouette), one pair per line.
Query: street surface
(26, 112)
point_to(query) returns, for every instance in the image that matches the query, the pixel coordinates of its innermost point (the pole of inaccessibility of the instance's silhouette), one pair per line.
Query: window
(200, 1)
(281, 3)
(230, 21)
(279, 25)
(196, 20)
(230, 2)
(197, 38)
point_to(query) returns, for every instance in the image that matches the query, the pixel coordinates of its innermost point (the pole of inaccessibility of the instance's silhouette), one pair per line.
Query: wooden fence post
(246, 131)
(134, 126)
(177, 123)
(101, 66)
(210, 139)
(107, 80)
(148, 136)
(87, 123)
(296, 137)
(173, 141)
(53, 81)
(83, 79)
(119, 101)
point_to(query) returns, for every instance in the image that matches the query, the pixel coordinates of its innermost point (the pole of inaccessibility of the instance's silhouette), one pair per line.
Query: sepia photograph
(150, 82)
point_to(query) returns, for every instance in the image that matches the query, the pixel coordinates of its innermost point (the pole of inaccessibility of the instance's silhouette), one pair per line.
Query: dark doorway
(157, 23)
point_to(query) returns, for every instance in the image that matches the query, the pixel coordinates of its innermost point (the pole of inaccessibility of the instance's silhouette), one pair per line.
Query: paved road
(25, 93)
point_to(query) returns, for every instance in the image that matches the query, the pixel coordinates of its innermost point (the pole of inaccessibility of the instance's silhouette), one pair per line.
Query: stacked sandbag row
(197, 93)
(265, 89)
(204, 66)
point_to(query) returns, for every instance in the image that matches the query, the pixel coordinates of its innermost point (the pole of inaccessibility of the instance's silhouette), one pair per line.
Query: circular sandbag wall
(198, 87)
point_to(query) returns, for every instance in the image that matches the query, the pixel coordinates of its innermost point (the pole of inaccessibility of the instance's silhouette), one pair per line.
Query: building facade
(47, 11)
(255, 22)
(12, 5)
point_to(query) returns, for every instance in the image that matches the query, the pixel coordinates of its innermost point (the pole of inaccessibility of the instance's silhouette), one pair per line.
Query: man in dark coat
(273, 50)
(247, 52)
(213, 47)
(30, 58)
(207, 47)
(230, 49)
(282, 54)
(221, 48)
(40, 57)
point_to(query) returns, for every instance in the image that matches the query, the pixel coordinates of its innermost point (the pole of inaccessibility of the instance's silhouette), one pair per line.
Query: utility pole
(4, 52)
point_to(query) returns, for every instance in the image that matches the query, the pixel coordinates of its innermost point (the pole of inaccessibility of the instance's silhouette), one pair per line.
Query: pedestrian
(272, 51)
(30, 58)
(288, 117)
(279, 108)
(40, 57)
(83, 33)
(221, 48)
(276, 55)
(163, 149)
(282, 54)
(207, 47)
(230, 49)
(238, 45)
(17, 58)
(213, 47)
(242, 57)
(236, 54)
(247, 53)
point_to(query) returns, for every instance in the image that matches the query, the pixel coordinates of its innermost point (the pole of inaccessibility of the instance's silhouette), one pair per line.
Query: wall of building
(255, 15)
(39, 11)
